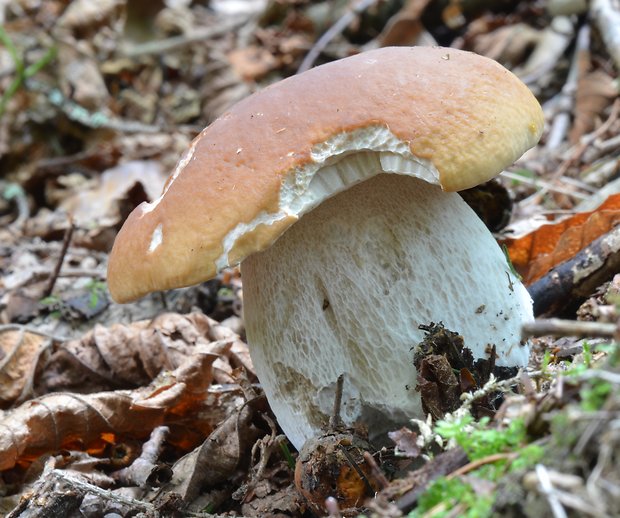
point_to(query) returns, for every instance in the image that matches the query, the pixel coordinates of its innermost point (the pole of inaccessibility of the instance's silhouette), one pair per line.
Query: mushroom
(368, 150)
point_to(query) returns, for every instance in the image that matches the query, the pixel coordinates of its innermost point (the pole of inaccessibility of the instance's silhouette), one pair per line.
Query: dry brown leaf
(406, 442)
(124, 356)
(218, 456)
(84, 13)
(19, 352)
(252, 63)
(405, 27)
(73, 421)
(595, 91)
(534, 254)
(508, 44)
(284, 502)
(100, 204)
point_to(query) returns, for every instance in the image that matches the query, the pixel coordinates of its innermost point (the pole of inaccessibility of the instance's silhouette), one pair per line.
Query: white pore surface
(345, 289)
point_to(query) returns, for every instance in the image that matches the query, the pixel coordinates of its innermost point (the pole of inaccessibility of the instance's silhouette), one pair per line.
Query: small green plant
(96, 289)
(479, 442)
(544, 365)
(527, 174)
(594, 393)
(509, 261)
(54, 304)
(444, 495)
(22, 72)
(286, 453)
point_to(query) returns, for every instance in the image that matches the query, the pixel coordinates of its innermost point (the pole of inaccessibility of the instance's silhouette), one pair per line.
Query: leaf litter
(153, 407)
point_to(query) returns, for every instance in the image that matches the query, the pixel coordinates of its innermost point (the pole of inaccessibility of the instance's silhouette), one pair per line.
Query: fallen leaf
(19, 352)
(405, 27)
(125, 356)
(595, 91)
(217, 458)
(508, 44)
(100, 204)
(181, 399)
(534, 254)
(252, 63)
(285, 502)
(406, 442)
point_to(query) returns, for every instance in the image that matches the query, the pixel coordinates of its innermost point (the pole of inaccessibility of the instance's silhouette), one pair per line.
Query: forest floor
(153, 408)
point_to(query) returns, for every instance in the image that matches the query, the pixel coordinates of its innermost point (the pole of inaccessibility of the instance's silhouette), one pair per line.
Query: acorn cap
(450, 117)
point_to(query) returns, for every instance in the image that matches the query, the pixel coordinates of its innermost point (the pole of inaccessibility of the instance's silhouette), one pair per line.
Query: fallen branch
(607, 19)
(559, 327)
(341, 24)
(61, 258)
(578, 277)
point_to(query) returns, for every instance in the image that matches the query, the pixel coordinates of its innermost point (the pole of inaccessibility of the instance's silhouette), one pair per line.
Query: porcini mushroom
(367, 150)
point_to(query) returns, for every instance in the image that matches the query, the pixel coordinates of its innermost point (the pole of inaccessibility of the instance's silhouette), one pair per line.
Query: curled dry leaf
(508, 44)
(534, 254)
(84, 13)
(595, 91)
(101, 204)
(406, 442)
(19, 352)
(253, 62)
(124, 356)
(405, 27)
(218, 456)
(180, 399)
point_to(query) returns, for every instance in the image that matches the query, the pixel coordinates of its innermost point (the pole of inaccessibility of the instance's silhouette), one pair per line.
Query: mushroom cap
(451, 117)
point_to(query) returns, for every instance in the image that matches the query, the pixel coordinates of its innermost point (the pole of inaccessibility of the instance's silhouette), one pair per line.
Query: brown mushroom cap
(463, 115)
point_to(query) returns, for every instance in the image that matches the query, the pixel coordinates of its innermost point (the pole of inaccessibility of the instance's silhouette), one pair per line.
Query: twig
(564, 101)
(78, 113)
(146, 467)
(376, 472)
(32, 330)
(176, 42)
(14, 192)
(581, 148)
(63, 251)
(548, 490)
(607, 18)
(559, 327)
(341, 24)
(332, 507)
(37, 275)
(490, 459)
(541, 184)
(358, 470)
(104, 494)
(335, 421)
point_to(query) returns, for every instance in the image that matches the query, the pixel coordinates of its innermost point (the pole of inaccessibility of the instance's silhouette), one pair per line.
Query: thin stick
(490, 459)
(357, 469)
(61, 258)
(335, 421)
(535, 182)
(341, 24)
(581, 148)
(558, 327)
(177, 42)
(377, 474)
(548, 490)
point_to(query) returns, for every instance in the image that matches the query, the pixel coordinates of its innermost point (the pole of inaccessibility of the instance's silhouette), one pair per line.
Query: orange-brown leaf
(534, 254)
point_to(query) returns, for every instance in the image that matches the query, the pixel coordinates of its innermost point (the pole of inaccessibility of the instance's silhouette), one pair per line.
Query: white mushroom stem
(345, 289)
